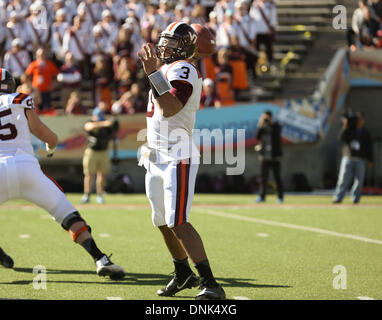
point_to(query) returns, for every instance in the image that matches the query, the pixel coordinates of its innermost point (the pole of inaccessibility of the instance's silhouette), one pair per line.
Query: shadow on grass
(145, 279)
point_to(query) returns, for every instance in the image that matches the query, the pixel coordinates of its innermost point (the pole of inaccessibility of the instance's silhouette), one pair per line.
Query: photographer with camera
(96, 159)
(357, 152)
(270, 149)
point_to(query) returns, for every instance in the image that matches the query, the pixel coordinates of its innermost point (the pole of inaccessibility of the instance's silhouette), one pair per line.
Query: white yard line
(287, 225)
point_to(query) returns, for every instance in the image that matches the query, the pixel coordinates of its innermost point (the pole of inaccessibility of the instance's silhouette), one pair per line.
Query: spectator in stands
(137, 8)
(198, 15)
(15, 28)
(103, 76)
(19, 6)
(43, 73)
(179, 12)
(227, 31)
(130, 102)
(117, 10)
(16, 60)
(224, 75)
(165, 11)
(270, 153)
(221, 7)
(265, 15)
(69, 78)
(109, 26)
(357, 153)
(36, 28)
(247, 34)
(188, 7)
(364, 27)
(103, 45)
(150, 20)
(376, 10)
(96, 159)
(212, 23)
(93, 9)
(208, 5)
(57, 35)
(209, 97)
(74, 105)
(80, 42)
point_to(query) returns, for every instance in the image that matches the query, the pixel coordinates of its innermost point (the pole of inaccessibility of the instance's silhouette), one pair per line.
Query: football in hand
(206, 41)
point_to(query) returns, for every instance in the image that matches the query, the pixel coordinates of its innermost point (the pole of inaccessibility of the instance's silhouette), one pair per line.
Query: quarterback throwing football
(170, 157)
(21, 175)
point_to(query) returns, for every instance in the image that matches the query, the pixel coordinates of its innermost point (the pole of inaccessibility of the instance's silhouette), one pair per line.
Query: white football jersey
(15, 136)
(172, 136)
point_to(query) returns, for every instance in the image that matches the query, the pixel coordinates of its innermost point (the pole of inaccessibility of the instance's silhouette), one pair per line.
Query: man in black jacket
(270, 148)
(357, 151)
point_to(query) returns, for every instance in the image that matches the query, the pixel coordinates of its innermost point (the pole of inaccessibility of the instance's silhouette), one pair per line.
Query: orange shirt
(42, 74)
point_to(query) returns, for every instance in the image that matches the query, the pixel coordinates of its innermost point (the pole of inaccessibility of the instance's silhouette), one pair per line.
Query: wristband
(159, 82)
(154, 91)
(49, 151)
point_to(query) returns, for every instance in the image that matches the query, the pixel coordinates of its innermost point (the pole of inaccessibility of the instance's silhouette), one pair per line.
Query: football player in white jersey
(21, 175)
(170, 157)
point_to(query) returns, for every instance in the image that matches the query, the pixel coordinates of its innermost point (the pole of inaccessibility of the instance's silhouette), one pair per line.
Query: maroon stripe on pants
(186, 191)
(178, 190)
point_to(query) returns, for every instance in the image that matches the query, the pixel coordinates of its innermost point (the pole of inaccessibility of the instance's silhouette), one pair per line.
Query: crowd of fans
(56, 44)
(366, 27)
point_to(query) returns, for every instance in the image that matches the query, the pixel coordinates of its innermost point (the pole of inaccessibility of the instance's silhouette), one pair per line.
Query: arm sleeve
(182, 90)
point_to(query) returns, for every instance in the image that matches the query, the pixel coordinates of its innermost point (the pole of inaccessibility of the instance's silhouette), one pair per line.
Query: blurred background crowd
(366, 26)
(71, 55)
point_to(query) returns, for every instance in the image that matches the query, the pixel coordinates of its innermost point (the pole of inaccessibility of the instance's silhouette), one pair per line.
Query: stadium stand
(304, 44)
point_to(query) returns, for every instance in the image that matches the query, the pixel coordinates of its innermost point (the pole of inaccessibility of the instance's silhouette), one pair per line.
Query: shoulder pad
(182, 70)
(24, 100)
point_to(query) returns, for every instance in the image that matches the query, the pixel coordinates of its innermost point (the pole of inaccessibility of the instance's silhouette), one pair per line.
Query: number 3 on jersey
(12, 131)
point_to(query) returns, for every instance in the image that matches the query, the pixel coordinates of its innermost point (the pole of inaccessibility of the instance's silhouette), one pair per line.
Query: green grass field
(258, 252)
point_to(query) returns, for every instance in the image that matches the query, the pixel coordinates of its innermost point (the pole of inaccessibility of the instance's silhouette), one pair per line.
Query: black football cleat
(5, 260)
(176, 285)
(211, 293)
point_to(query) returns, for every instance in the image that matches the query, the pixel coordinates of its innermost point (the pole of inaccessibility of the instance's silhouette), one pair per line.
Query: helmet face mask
(177, 44)
(167, 49)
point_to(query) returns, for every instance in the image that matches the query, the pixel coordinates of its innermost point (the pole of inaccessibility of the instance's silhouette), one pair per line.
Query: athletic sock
(206, 277)
(182, 268)
(91, 247)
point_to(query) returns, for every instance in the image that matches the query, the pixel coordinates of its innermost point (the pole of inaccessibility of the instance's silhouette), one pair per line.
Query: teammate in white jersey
(170, 157)
(21, 176)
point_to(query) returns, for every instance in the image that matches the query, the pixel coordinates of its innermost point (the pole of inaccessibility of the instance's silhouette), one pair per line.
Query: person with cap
(96, 159)
(16, 60)
(36, 27)
(93, 9)
(15, 28)
(103, 45)
(108, 26)
(209, 97)
(58, 28)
